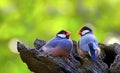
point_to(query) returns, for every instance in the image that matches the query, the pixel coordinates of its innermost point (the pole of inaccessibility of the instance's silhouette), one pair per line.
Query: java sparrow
(88, 44)
(60, 45)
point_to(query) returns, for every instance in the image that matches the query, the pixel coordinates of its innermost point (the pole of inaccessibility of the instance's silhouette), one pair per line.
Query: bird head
(63, 34)
(84, 30)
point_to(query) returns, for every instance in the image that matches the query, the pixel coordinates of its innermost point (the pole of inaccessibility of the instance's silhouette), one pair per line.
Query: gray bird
(60, 45)
(88, 44)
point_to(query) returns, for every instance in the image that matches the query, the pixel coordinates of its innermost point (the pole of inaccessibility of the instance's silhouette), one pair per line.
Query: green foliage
(27, 20)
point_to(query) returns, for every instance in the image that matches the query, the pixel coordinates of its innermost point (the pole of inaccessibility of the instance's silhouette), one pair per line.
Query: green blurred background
(26, 20)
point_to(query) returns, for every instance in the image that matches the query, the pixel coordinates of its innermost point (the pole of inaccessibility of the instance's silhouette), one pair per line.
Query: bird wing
(58, 47)
(66, 45)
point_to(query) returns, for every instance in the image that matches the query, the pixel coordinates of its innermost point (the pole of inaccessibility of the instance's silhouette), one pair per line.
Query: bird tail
(92, 52)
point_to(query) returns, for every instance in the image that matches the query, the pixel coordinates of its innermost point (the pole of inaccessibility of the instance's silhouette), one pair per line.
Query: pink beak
(68, 34)
(80, 32)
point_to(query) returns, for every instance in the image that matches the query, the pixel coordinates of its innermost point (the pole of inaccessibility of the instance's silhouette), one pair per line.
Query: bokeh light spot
(13, 45)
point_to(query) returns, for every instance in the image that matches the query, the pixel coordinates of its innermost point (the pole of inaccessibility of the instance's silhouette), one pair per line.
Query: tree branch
(38, 62)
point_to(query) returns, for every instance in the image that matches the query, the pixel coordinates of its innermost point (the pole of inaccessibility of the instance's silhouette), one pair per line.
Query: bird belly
(55, 51)
(60, 52)
(82, 53)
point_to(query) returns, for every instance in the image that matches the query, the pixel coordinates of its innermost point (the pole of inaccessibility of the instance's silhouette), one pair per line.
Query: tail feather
(92, 52)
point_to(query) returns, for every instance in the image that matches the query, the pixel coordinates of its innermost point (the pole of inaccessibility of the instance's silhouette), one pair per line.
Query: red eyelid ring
(68, 33)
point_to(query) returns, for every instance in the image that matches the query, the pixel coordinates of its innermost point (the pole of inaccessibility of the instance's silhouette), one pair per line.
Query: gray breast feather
(64, 44)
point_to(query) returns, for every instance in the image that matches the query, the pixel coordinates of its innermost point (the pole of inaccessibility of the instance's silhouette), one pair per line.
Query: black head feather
(85, 28)
(63, 32)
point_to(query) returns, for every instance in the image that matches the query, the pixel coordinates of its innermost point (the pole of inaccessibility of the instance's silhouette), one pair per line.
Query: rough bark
(38, 62)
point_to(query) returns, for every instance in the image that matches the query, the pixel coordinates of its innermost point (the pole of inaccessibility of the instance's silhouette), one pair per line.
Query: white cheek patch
(61, 35)
(85, 31)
